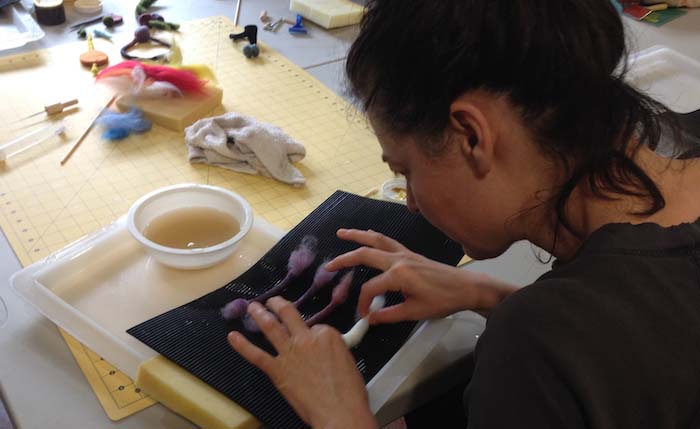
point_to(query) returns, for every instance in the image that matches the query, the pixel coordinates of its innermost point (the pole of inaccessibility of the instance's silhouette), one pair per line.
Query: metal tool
(52, 109)
(88, 22)
(274, 26)
(238, 12)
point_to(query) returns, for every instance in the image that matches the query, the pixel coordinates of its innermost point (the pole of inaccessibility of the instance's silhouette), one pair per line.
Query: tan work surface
(44, 206)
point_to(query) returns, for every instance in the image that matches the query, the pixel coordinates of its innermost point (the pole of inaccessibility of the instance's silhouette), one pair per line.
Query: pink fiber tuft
(185, 80)
(302, 257)
(322, 275)
(341, 292)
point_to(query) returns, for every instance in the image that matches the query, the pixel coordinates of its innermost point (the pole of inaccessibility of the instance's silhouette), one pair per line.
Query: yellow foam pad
(176, 113)
(190, 397)
(328, 13)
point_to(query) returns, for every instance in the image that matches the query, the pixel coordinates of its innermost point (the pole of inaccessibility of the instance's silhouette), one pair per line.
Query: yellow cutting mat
(116, 392)
(44, 206)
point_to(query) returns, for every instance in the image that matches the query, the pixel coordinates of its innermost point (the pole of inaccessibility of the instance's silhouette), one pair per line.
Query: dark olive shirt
(608, 340)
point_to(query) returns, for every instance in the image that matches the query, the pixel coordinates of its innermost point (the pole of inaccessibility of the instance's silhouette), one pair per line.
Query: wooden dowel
(87, 130)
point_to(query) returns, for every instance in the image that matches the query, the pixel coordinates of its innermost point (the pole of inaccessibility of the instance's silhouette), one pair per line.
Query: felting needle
(89, 21)
(87, 130)
(52, 109)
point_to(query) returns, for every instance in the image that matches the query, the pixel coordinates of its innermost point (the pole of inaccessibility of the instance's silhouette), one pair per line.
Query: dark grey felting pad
(194, 335)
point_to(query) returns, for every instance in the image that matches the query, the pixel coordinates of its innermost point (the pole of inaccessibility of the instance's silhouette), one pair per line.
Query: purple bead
(144, 18)
(142, 34)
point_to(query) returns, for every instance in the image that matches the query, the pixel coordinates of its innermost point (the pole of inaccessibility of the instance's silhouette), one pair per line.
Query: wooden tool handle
(87, 130)
(52, 109)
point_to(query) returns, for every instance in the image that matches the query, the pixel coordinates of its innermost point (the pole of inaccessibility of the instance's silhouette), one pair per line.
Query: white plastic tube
(354, 336)
(31, 139)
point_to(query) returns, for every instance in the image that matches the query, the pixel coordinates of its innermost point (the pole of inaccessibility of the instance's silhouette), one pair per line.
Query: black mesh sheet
(194, 335)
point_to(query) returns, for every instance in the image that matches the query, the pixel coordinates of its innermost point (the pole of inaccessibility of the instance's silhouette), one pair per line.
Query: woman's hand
(313, 370)
(431, 289)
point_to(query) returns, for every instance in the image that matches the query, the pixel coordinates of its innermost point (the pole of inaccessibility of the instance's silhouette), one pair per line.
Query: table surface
(37, 369)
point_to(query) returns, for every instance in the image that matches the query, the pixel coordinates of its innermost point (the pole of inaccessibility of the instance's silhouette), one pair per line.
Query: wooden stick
(238, 12)
(87, 130)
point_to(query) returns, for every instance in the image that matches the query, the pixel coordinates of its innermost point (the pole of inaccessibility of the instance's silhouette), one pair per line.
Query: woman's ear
(472, 131)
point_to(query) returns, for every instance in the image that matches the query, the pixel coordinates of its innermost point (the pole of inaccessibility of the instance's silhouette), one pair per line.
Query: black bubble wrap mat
(194, 335)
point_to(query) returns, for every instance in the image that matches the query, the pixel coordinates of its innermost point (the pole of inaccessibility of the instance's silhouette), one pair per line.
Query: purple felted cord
(299, 260)
(321, 279)
(142, 35)
(235, 309)
(338, 297)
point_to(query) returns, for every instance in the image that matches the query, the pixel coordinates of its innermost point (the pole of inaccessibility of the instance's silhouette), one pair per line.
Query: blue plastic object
(298, 28)
(101, 34)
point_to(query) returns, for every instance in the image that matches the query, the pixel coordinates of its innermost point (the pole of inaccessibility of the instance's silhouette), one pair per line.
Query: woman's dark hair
(560, 63)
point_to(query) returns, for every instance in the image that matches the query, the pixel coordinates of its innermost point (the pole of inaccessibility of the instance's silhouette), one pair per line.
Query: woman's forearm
(490, 291)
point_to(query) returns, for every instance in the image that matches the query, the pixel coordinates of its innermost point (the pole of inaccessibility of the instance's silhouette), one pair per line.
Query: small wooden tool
(92, 56)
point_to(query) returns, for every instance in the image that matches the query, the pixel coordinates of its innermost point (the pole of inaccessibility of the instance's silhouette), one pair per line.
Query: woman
(511, 120)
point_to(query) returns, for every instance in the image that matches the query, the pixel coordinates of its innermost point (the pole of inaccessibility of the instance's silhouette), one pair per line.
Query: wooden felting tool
(87, 130)
(52, 109)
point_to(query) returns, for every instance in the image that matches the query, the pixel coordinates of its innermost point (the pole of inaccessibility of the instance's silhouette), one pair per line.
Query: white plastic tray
(105, 283)
(17, 28)
(667, 76)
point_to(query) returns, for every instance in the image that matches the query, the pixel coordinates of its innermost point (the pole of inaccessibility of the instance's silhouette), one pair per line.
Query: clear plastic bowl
(174, 197)
(390, 187)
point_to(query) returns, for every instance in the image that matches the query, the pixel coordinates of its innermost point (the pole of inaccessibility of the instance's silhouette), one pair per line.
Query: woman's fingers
(269, 325)
(288, 314)
(371, 238)
(393, 314)
(368, 256)
(378, 285)
(251, 352)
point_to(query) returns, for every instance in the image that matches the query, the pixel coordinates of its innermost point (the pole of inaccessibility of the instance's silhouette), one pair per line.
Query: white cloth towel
(241, 143)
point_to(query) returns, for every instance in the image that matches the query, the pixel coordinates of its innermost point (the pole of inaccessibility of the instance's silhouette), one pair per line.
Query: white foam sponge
(328, 13)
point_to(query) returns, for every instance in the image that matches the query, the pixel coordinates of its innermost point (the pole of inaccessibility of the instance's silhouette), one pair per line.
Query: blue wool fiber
(115, 134)
(119, 125)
